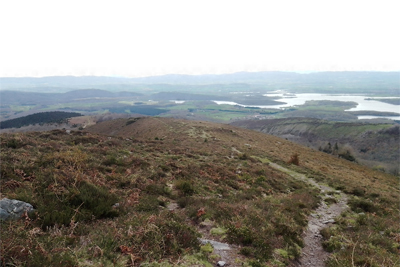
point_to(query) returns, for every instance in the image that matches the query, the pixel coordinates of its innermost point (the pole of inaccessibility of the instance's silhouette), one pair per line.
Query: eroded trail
(228, 254)
(313, 253)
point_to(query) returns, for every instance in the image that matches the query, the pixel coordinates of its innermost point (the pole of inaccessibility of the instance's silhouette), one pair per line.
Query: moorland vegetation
(103, 197)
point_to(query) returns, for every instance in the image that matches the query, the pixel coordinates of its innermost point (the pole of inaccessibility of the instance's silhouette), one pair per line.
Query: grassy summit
(140, 192)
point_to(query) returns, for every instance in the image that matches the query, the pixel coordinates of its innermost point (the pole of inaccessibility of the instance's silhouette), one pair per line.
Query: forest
(39, 118)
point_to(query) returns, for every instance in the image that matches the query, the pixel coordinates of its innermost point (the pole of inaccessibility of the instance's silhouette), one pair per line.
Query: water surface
(300, 99)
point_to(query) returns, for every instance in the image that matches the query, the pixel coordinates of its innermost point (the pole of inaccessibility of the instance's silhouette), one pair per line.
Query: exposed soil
(228, 253)
(313, 253)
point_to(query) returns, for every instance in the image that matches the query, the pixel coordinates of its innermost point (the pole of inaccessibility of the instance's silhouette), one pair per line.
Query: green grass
(22, 108)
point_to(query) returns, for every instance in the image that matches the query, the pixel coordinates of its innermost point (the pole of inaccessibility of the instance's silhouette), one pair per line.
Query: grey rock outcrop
(11, 209)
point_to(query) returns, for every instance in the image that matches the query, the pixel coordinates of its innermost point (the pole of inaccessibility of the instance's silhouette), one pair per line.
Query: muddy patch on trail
(313, 254)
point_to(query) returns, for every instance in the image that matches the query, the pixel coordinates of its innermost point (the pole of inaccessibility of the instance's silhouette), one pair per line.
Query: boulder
(11, 209)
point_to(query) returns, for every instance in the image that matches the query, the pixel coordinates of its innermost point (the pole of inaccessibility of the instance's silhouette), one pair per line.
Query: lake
(300, 99)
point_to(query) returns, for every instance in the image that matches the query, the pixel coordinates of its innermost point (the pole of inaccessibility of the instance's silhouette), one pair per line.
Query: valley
(374, 145)
(246, 169)
(337, 96)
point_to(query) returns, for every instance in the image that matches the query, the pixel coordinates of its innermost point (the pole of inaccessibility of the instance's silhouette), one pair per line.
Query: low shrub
(334, 243)
(148, 203)
(13, 143)
(294, 159)
(83, 202)
(246, 251)
(183, 201)
(362, 205)
(158, 189)
(240, 235)
(162, 236)
(186, 187)
(357, 191)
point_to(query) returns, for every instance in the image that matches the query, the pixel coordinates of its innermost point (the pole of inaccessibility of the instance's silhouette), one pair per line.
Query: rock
(329, 221)
(4, 215)
(221, 263)
(215, 244)
(207, 224)
(13, 209)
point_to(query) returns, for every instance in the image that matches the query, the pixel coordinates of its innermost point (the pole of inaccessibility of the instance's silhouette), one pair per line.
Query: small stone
(13, 209)
(329, 221)
(221, 263)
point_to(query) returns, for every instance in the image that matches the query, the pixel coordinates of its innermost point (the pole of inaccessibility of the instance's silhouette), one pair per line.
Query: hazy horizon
(205, 74)
(152, 38)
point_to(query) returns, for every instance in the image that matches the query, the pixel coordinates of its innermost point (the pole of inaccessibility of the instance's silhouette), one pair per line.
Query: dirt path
(313, 253)
(228, 254)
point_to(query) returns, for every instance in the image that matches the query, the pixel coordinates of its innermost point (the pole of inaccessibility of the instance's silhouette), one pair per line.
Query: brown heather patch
(214, 172)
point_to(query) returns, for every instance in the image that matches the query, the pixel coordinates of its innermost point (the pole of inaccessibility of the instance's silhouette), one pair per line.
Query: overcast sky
(144, 38)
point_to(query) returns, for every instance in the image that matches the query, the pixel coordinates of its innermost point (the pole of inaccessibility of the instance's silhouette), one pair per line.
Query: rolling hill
(376, 145)
(151, 191)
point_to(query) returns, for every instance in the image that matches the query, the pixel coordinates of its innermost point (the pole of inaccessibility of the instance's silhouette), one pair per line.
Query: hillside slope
(174, 180)
(374, 145)
(339, 173)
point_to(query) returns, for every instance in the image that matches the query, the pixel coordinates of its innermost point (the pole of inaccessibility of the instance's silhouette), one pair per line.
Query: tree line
(39, 118)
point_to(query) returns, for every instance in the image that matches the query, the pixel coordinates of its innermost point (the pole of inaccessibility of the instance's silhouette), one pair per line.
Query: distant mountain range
(33, 98)
(355, 78)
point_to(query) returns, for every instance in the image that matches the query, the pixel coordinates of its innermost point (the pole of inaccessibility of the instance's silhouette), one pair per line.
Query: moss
(334, 243)
(281, 252)
(207, 248)
(218, 231)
